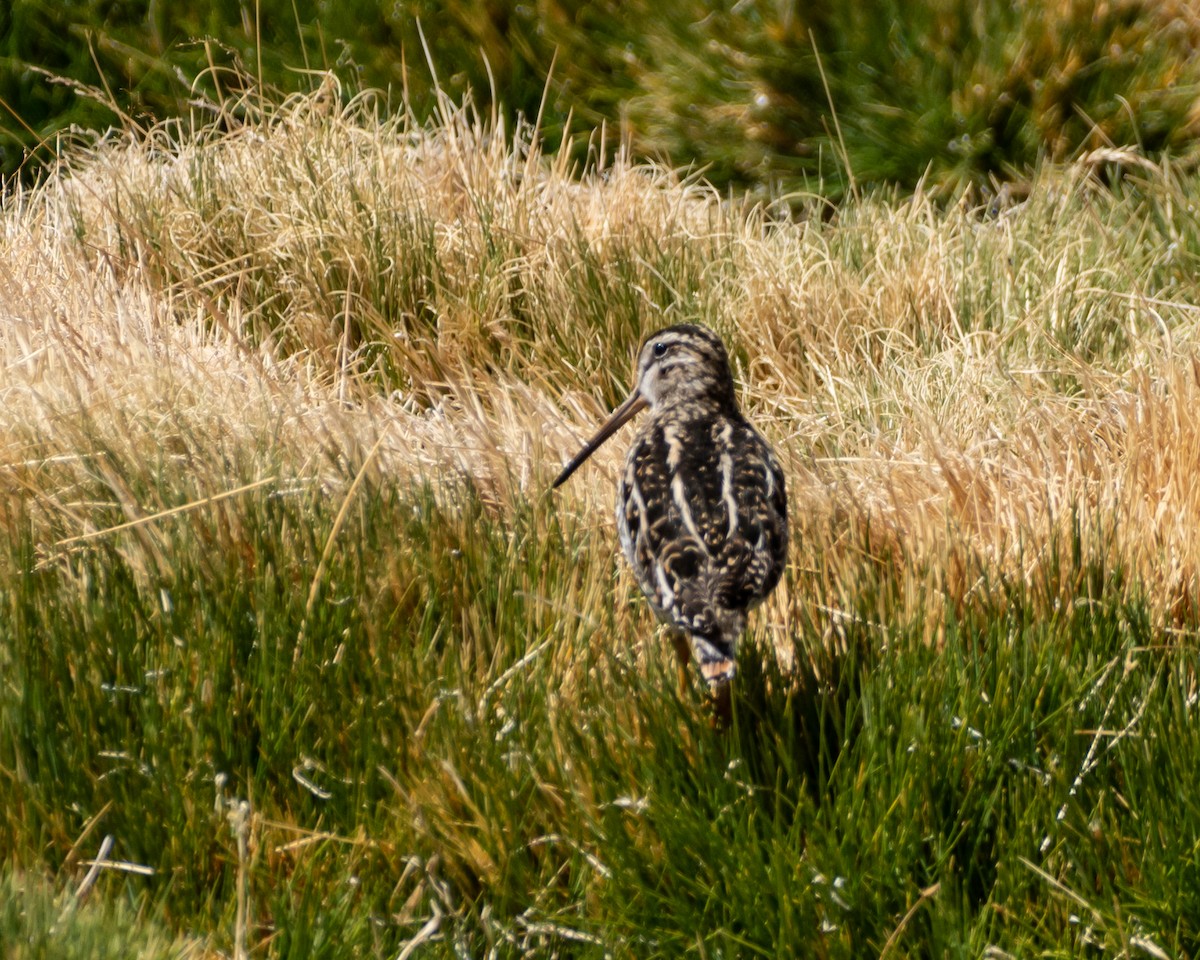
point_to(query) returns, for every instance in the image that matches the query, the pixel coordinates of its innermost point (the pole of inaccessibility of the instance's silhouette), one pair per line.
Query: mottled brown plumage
(701, 503)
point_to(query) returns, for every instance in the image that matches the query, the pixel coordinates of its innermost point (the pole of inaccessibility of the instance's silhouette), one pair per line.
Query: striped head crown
(683, 368)
(684, 364)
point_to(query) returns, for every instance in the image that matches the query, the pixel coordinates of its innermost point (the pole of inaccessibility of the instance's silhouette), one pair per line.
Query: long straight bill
(633, 404)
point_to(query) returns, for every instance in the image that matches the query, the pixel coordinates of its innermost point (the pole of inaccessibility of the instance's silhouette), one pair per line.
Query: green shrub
(962, 92)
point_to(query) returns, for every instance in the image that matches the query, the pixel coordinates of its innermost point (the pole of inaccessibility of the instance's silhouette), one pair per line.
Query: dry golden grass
(320, 291)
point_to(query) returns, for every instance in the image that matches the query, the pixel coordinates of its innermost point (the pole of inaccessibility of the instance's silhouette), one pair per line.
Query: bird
(701, 501)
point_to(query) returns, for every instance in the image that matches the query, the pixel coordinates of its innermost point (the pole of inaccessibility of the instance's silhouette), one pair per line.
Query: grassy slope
(279, 412)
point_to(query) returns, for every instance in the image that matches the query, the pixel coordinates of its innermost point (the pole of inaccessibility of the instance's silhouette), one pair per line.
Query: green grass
(443, 738)
(36, 922)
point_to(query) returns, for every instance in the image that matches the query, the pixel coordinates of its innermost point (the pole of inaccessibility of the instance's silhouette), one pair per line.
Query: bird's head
(684, 364)
(683, 367)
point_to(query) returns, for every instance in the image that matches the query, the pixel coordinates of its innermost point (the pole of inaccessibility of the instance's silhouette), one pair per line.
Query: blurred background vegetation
(955, 91)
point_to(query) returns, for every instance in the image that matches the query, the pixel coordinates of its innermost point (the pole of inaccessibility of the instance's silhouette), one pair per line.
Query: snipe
(701, 503)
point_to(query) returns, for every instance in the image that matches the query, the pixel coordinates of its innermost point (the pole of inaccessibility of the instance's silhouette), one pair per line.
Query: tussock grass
(37, 923)
(280, 407)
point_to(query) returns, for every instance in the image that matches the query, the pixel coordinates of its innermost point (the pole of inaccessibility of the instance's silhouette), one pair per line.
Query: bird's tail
(716, 650)
(719, 670)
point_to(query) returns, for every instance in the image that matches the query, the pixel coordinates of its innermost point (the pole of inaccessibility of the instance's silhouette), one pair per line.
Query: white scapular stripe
(674, 446)
(666, 594)
(727, 492)
(685, 512)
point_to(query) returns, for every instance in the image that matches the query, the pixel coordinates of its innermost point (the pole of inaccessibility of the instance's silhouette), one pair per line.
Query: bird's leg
(721, 693)
(719, 671)
(683, 653)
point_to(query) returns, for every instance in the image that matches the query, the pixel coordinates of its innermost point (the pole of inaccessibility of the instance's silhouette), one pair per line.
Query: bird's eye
(660, 348)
